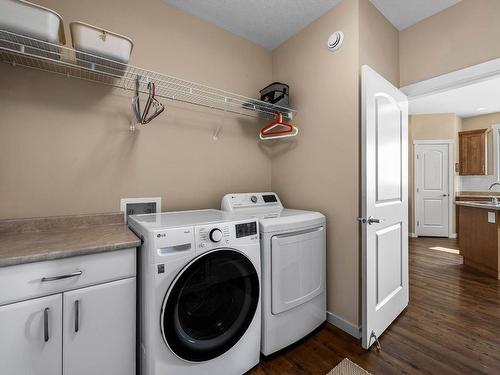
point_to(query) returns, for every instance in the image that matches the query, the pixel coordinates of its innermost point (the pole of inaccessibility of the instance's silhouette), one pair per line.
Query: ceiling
(405, 13)
(265, 22)
(464, 101)
(271, 22)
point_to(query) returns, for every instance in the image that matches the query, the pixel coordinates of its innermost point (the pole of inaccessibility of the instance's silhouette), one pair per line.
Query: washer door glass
(210, 305)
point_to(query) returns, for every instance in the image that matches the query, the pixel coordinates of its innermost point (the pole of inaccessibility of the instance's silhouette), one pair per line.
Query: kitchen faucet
(494, 199)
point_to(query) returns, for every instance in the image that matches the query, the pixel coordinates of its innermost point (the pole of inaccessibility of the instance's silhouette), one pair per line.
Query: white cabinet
(84, 325)
(31, 337)
(99, 329)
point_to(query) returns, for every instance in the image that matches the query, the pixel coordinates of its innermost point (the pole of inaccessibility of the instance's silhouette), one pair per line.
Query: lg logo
(159, 235)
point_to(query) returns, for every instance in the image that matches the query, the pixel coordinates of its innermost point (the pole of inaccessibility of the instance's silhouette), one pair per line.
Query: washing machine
(199, 293)
(293, 256)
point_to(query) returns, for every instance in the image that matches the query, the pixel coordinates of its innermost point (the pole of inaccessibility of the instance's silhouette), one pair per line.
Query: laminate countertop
(477, 194)
(483, 205)
(40, 239)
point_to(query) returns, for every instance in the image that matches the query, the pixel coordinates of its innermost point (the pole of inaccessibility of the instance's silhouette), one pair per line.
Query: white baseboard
(453, 235)
(343, 324)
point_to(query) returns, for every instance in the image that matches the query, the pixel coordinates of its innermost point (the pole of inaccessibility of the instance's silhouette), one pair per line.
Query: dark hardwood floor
(451, 326)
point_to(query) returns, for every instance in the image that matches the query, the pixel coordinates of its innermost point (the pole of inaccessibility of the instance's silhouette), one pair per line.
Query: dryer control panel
(242, 201)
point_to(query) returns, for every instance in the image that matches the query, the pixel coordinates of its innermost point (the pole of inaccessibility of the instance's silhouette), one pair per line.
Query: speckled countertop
(39, 239)
(483, 205)
(477, 194)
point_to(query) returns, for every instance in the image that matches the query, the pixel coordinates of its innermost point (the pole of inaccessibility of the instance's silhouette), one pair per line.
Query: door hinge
(418, 223)
(418, 156)
(418, 189)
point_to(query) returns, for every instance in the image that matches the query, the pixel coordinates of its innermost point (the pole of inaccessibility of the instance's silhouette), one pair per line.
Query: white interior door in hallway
(433, 187)
(384, 204)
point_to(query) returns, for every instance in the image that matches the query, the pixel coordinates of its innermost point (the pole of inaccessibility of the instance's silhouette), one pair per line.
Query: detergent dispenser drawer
(297, 268)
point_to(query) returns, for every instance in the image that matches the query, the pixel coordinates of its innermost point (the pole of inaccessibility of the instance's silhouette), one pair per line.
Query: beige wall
(320, 169)
(462, 35)
(65, 145)
(428, 127)
(378, 42)
(481, 122)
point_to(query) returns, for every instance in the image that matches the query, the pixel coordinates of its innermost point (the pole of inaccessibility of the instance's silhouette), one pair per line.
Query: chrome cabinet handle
(46, 324)
(61, 277)
(77, 315)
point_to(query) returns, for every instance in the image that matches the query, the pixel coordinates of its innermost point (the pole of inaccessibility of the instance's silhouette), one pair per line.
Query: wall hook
(217, 132)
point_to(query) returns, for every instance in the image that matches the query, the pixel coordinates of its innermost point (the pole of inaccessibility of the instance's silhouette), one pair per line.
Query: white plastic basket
(33, 21)
(114, 49)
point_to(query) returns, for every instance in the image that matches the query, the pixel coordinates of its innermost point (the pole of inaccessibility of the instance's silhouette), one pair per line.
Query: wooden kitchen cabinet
(473, 156)
(479, 238)
(31, 337)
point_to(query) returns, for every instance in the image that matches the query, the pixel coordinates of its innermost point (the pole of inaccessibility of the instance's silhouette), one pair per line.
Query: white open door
(384, 202)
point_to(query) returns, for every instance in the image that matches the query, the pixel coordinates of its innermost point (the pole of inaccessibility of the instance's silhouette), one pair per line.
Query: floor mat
(346, 367)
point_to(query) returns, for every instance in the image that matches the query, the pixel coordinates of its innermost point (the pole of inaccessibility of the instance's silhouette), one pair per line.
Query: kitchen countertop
(477, 194)
(487, 206)
(40, 239)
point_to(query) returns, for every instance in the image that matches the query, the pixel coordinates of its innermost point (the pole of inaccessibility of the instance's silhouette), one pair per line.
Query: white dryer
(199, 293)
(293, 256)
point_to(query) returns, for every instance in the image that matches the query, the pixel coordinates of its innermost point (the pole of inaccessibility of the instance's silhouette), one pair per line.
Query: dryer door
(297, 268)
(210, 305)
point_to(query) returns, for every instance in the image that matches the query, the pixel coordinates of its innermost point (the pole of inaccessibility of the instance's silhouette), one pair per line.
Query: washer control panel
(216, 235)
(225, 234)
(212, 236)
(246, 229)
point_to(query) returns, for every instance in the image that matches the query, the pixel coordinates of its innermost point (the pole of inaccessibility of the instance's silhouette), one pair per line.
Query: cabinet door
(473, 152)
(31, 338)
(99, 329)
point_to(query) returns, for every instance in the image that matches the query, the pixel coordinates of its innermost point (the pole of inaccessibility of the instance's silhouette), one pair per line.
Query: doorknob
(371, 220)
(445, 195)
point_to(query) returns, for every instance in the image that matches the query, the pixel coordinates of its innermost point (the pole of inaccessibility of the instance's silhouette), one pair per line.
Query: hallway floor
(451, 326)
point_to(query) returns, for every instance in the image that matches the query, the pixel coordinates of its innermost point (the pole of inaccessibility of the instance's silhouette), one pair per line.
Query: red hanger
(266, 132)
(152, 101)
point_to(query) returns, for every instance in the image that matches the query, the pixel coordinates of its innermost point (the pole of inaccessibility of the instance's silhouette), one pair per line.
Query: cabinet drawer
(26, 281)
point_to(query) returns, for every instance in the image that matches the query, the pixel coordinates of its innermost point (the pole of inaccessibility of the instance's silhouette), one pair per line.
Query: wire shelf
(32, 53)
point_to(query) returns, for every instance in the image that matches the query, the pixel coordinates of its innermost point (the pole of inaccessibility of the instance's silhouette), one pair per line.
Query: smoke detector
(335, 40)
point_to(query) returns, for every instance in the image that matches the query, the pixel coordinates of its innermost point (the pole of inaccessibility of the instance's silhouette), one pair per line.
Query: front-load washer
(199, 293)
(293, 256)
